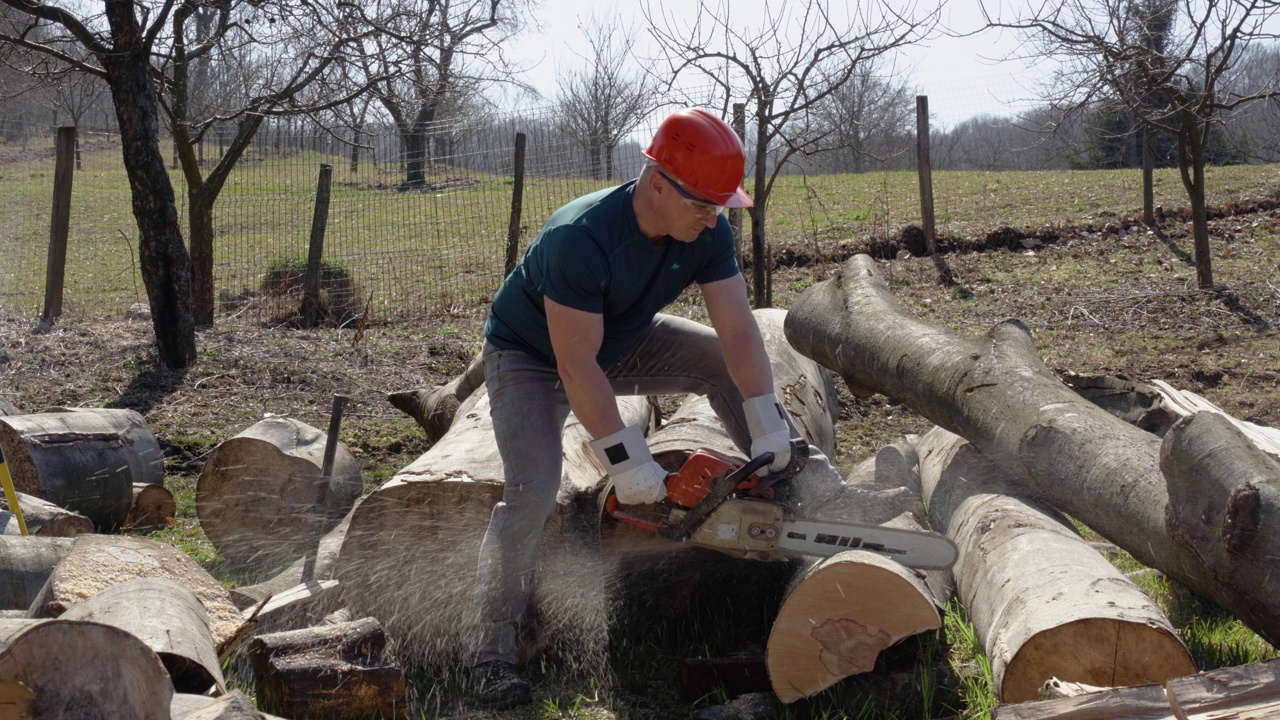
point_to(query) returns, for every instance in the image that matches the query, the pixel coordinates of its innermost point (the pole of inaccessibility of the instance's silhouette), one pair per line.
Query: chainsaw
(718, 502)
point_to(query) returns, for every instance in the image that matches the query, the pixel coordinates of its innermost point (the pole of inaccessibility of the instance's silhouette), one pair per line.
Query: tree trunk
(97, 562)
(42, 518)
(200, 221)
(434, 408)
(83, 460)
(25, 565)
(153, 507)
(169, 619)
(415, 156)
(261, 498)
(1191, 169)
(83, 670)
(166, 267)
(328, 671)
(1044, 603)
(995, 392)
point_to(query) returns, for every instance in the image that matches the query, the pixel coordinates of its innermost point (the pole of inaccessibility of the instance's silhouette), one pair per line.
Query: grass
(1098, 300)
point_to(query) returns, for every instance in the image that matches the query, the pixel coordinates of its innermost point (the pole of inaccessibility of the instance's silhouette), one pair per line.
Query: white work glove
(767, 423)
(637, 479)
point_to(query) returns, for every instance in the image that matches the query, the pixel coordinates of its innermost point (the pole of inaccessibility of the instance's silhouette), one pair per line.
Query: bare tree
(1105, 51)
(431, 54)
(870, 116)
(120, 51)
(1255, 126)
(604, 101)
(798, 56)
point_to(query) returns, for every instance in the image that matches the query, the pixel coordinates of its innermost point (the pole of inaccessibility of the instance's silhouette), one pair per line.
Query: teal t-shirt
(591, 256)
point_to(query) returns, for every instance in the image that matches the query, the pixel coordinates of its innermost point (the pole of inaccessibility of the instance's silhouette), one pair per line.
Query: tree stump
(328, 671)
(83, 460)
(261, 498)
(1043, 602)
(169, 619)
(83, 670)
(42, 518)
(97, 562)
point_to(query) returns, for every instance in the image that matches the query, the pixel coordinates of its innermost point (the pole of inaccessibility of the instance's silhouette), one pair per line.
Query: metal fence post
(59, 224)
(517, 203)
(925, 168)
(315, 253)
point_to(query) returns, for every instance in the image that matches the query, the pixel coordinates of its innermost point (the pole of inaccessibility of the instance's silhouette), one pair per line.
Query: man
(577, 323)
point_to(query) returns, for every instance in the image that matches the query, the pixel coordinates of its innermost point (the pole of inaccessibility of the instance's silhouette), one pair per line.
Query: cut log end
(838, 619)
(153, 507)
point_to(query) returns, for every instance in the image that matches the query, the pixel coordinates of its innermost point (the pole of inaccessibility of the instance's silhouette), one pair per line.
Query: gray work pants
(529, 408)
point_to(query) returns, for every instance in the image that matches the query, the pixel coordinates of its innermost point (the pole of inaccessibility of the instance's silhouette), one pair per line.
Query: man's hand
(767, 423)
(637, 479)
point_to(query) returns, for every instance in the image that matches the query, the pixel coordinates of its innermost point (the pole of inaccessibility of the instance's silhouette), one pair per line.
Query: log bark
(42, 518)
(841, 613)
(169, 619)
(1182, 403)
(234, 705)
(83, 460)
(97, 562)
(328, 671)
(1144, 702)
(152, 507)
(261, 498)
(434, 408)
(84, 670)
(995, 392)
(25, 565)
(1044, 603)
(8, 408)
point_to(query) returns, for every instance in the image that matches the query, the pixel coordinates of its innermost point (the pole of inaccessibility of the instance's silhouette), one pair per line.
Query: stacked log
(25, 566)
(153, 506)
(42, 518)
(83, 460)
(995, 392)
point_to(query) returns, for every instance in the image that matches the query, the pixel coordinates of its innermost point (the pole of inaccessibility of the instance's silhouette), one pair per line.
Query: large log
(435, 408)
(328, 671)
(1043, 602)
(261, 497)
(83, 460)
(96, 562)
(42, 518)
(83, 670)
(25, 565)
(996, 392)
(169, 619)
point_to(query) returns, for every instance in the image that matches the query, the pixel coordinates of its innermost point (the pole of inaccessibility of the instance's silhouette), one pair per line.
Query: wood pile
(351, 586)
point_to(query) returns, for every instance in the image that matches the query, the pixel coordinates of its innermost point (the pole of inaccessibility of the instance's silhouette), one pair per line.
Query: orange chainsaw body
(692, 482)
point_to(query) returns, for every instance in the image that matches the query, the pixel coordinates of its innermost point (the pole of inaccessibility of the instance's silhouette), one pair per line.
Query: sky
(963, 76)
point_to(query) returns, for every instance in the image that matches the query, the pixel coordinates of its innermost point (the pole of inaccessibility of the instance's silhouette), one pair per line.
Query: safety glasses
(699, 207)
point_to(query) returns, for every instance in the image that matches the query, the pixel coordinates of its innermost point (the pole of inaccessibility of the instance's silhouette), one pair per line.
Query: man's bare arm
(575, 337)
(744, 352)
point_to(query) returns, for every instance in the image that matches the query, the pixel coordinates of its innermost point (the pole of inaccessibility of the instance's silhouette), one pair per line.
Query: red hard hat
(704, 153)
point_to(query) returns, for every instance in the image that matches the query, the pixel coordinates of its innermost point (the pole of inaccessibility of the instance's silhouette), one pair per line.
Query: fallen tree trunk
(261, 497)
(83, 670)
(83, 460)
(328, 671)
(434, 408)
(169, 619)
(25, 565)
(1043, 602)
(152, 507)
(96, 562)
(42, 518)
(995, 392)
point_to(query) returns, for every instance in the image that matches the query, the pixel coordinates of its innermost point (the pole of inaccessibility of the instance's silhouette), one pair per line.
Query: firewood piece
(996, 392)
(25, 565)
(171, 621)
(1044, 603)
(43, 518)
(305, 602)
(96, 562)
(234, 705)
(84, 670)
(840, 614)
(1246, 692)
(152, 507)
(1141, 702)
(1055, 688)
(331, 670)
(435, 408)
(83, 460)
(261, 499)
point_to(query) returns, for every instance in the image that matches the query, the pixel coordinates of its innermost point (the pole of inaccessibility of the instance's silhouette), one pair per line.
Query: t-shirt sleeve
(722, 260)
(574, 269)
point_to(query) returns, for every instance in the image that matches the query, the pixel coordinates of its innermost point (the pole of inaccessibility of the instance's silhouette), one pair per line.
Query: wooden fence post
(59, 224)
(925, 169)
(517, 204)
(315, 253)
(735, 214)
